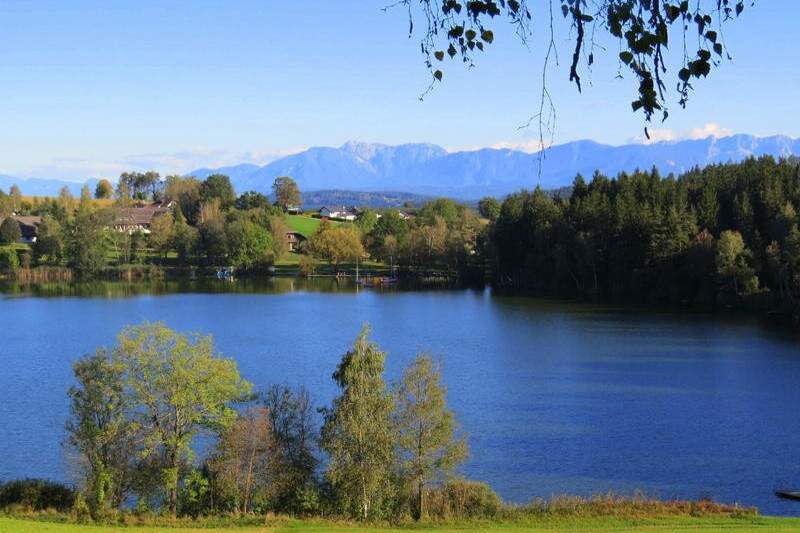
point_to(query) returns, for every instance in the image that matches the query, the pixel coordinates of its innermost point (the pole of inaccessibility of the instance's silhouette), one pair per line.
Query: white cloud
(523, 145)
(711, 129)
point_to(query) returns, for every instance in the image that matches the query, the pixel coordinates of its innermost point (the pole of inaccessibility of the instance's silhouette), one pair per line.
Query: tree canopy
(643, 30)
(286, 192)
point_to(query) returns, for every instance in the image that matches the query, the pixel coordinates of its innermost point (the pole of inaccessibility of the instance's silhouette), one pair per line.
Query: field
(706, 525)
(303, 224)
(107, 202)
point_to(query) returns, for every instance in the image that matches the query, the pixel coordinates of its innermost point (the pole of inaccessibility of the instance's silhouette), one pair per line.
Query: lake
(555, 397)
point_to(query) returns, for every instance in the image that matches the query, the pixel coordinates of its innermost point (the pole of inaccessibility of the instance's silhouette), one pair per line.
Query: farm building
(339, 211)
(294, 239)
(28, 227)
(132, 219)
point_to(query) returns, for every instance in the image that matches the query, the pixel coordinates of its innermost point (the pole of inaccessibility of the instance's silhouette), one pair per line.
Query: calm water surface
(555, 397)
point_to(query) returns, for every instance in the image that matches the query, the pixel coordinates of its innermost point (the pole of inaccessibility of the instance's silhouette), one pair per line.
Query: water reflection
(122, 289)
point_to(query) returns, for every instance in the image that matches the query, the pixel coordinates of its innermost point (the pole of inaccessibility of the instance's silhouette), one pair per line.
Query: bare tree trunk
(421, 497)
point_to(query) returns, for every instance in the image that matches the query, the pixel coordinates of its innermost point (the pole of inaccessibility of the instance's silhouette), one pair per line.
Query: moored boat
(788, 494)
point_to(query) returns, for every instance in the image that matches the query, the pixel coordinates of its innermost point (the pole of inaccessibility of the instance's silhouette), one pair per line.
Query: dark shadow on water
(272, 285)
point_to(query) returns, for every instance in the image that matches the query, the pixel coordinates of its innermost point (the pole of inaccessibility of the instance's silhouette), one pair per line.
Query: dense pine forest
(725, 235)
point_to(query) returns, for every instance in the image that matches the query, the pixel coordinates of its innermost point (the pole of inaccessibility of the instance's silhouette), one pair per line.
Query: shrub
(307, 265)
(9, 261)
(36, 495)
(462, 499)
(9, 231)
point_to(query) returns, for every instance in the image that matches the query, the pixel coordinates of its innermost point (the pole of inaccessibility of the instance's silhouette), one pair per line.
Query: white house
(338, 211)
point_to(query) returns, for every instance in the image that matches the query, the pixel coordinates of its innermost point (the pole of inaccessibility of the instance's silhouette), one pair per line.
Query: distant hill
(42, 186)
(316, 199)
(428, 170)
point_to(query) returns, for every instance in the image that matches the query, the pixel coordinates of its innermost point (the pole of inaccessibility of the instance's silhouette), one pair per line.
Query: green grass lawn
(707, 525)
(545, 525)
(303, 224)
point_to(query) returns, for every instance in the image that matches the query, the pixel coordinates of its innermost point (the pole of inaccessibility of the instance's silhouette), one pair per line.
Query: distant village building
(28, 227)
(294, 240)
(339, 211)
(294, 209)
(139, 219)
(404, 215)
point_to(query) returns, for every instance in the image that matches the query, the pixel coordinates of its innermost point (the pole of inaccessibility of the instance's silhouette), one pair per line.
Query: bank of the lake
(555, 397)
(642, 525)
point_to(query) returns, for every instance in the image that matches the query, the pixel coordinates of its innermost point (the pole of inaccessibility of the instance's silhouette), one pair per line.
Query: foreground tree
(357, 432)
(426, 427)
(286, 192)
(100, 431)
(179, 386)
(293, 433)
(243, 459)
(644, 30)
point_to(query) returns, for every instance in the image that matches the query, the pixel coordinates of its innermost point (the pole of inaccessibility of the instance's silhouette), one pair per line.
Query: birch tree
(429, 447)
(357, 432)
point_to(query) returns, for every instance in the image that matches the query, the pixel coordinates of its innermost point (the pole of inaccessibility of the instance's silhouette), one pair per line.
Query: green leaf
(626, 57)
(438, 75)
(438, 55)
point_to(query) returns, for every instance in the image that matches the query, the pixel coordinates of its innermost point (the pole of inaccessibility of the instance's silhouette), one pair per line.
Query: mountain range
(430, 170)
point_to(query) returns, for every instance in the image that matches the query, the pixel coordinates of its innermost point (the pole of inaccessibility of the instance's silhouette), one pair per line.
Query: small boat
(225, 274)
(788, 494)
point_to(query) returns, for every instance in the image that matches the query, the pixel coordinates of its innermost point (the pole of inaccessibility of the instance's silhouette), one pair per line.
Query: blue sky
(92, 88)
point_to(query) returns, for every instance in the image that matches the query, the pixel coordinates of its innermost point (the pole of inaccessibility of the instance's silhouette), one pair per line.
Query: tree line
(209, 225)
(726, 234)
(137, 410)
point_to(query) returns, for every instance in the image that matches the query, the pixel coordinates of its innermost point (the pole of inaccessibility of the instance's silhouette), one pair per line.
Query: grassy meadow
(303, 224)
(549, 525)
